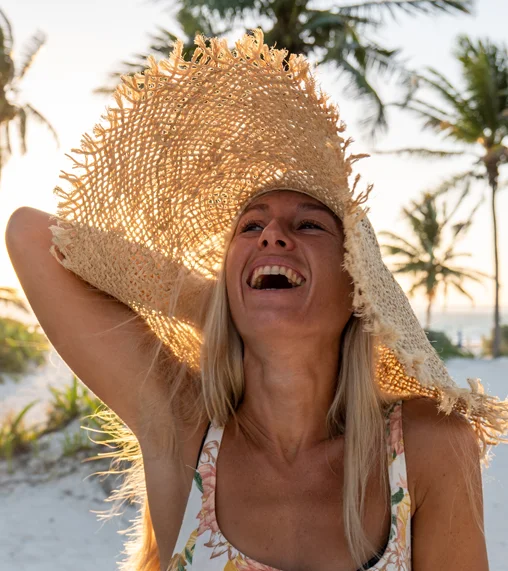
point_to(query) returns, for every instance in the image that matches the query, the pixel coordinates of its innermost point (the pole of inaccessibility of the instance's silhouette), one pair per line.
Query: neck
(288, 391)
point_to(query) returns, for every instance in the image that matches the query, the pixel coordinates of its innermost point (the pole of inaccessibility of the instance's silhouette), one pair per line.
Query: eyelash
(246, 226)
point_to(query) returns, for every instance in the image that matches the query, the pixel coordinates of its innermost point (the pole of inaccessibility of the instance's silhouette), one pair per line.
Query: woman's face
(284, 270)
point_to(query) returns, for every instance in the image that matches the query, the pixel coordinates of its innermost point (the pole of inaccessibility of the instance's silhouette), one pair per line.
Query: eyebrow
(303, 206)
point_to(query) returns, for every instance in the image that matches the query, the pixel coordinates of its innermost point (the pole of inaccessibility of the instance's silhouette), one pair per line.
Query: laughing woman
(214, 279)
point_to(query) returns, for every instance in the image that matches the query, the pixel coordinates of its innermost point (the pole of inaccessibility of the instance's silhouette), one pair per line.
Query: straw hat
(187, 146)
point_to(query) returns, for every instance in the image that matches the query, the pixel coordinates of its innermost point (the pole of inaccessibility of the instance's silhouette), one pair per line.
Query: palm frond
(463, 226)
(421, 153)
(448, 125)
(7, 71)
(452, 182)
(325, 20)
(451, 255)
(22, 129)
(6, 32)
(223, 8)
(443, 85)
(34, 46)
(392, 250)
(485, 72)
(8, 138)
(411, 7)
(409, 267)
(459, 287)
(420, 106)
(371, 57)
(398, 238)
(463, 273)
(359, 85)
(32, 112)
(161, 44)
(448, 215)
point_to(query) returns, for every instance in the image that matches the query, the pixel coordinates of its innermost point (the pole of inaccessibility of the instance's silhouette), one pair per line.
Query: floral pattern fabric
(202, 547)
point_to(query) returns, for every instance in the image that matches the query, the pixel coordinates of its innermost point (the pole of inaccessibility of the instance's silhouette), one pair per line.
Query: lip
(273, 261)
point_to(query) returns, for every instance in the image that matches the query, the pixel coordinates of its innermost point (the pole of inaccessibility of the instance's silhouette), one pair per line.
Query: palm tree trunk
(428, 313)
(496, 339)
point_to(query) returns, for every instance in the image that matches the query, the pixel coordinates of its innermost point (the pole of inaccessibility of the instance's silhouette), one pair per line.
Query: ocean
(470, 325)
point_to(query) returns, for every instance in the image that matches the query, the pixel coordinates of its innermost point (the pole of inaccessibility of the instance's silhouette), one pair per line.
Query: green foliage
(76, 442)
(20, 346)
(475, 111)
(15, 437)
(69, 403)
(487, 343)
(444, 346)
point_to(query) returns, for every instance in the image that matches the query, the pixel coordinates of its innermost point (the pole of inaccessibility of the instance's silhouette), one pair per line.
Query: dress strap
(210, 446)
(399, 543)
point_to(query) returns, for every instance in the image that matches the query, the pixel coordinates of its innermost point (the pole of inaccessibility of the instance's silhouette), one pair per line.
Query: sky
(87, 40)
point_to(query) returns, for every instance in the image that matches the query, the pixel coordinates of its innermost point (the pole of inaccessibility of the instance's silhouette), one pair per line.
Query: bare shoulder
(444, 479)
(435, 443)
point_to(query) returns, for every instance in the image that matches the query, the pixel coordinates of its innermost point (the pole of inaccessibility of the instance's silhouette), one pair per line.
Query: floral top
(202, 547)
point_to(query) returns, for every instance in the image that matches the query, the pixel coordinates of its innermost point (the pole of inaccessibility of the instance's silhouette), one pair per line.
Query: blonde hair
(357, 412)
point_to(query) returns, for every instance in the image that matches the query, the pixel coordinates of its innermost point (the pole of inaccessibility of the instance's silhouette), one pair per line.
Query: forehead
(289, 200)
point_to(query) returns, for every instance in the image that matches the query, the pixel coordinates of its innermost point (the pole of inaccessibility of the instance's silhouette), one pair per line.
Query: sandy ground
(50, 526)
(46, 519)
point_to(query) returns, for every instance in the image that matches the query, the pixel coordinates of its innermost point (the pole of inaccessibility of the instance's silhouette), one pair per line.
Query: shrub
(487, 342)
(20, 346)
(69, 403)
(444, 346)
(15, 437)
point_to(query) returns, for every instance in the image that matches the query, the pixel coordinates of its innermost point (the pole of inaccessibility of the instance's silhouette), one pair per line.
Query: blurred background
(422, 87)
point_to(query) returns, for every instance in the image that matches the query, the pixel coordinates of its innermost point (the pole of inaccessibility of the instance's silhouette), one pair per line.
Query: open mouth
(275, 277)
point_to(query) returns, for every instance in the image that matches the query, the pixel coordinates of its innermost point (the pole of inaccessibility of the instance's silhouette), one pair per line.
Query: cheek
(336, 282)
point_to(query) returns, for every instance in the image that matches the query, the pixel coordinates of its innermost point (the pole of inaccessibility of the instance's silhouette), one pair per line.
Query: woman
(258, 319)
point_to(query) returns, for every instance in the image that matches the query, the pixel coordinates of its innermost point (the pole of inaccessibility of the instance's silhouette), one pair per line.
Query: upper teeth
(291, 275)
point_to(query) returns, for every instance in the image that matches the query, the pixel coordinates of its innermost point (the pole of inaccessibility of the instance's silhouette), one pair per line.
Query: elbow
(12, 229)
(24, 225)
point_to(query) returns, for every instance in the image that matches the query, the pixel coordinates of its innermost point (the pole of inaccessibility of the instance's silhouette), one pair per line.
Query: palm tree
(425, 256)
(10, 77)
(338, 35)
(474, 115)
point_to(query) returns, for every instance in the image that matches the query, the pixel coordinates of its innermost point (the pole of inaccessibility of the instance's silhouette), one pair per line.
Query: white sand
(48, 525)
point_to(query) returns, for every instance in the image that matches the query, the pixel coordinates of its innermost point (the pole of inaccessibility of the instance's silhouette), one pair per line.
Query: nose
(275, 235)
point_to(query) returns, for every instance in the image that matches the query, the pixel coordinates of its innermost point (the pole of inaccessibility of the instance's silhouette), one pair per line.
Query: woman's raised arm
(107, 345)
